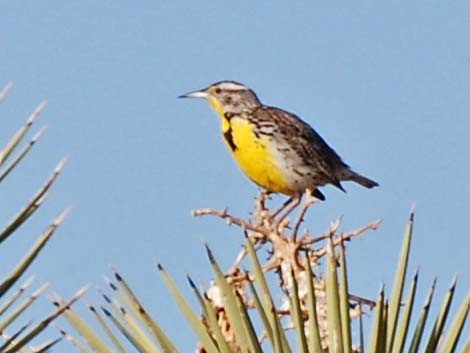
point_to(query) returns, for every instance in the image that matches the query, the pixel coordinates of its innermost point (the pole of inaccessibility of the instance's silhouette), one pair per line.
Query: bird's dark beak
(195, 94)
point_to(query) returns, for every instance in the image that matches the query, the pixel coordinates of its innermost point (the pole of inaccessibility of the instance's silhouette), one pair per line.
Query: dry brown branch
(230, 219)
(346, 237)
(287, 255)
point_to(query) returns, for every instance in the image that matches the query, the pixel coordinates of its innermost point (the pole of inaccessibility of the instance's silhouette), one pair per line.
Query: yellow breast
(253, 155)
(254, 158)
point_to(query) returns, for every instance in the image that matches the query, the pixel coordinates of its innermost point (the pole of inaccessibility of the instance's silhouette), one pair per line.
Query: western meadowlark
(274, 148)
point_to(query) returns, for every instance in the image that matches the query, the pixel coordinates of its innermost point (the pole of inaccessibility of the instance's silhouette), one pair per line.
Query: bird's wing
(308, 144)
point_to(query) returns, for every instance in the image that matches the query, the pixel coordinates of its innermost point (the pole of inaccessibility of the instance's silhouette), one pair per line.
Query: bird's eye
(218, 90)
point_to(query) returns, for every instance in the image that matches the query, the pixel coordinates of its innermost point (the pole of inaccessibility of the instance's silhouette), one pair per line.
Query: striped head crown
(228, 96)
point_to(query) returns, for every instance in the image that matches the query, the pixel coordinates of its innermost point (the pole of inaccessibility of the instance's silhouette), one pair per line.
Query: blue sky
(386, 84)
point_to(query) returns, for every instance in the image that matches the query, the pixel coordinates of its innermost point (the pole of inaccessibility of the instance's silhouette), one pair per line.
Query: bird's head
(227, 97)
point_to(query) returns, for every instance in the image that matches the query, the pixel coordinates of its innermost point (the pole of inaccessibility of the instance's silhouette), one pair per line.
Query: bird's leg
(288, 207)
(283, 206)
(309, 200)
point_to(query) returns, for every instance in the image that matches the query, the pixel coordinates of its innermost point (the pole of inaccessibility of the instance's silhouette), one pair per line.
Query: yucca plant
(238, 312)
(13, 305)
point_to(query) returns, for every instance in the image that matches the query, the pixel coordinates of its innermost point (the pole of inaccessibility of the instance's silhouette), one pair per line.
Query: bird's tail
(360, 179)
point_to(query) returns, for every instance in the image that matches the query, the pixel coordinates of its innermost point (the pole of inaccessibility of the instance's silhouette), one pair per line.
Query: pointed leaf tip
(39, 291)
(61, 217)
(454, 283)
(38, 134)
(4, 91)
(34, 115)
(416, 275)
(209, 253)
(106, 298)
(191, 282)
(106, 311)
(117, 276)
(27, 283)
(412, 213)
(61, 165)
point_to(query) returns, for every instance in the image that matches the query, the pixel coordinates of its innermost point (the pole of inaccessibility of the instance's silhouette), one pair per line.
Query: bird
(276, 149)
